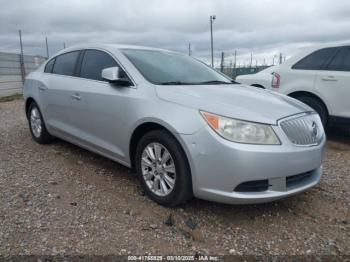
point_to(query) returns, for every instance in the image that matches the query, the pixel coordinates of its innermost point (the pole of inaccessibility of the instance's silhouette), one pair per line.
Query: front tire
(37, 126)
(163, 169)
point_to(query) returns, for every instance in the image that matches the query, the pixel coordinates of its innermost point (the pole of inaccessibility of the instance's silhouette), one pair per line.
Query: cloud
(264, 27)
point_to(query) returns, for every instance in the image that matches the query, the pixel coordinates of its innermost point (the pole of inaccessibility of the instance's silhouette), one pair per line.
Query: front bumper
(218, 166)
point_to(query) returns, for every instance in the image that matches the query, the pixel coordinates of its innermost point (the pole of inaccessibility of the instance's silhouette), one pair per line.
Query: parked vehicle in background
(261, 79)
(319, 77)
(185, 128)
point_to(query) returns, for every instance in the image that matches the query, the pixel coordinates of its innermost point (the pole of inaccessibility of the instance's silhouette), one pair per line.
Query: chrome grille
(305, 130)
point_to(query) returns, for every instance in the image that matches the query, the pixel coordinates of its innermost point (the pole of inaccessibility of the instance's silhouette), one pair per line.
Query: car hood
(236, 101)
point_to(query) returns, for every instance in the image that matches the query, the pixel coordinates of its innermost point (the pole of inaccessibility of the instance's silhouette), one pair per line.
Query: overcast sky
(263, 27)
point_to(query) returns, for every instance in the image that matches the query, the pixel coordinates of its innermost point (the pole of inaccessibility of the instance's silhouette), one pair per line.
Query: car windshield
(168, 68)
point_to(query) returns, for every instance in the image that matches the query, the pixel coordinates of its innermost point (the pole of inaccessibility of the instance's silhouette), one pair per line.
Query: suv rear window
(341, 62)
(316, 60)
(65, 63)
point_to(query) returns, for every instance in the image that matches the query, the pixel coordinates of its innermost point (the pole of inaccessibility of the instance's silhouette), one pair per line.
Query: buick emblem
(314, 129)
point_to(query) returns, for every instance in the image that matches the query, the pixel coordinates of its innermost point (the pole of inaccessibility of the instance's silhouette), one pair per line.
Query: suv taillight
(276, 80)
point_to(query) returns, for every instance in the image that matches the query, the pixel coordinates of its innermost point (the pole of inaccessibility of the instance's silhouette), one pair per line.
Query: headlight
(241, 131)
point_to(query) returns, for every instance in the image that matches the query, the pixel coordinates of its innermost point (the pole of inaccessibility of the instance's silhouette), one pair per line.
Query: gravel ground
(61, 199)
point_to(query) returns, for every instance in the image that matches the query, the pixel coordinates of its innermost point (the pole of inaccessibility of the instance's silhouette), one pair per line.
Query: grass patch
(11, 97)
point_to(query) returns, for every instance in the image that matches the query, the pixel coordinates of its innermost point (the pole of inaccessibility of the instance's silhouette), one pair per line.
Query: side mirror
(112, 75)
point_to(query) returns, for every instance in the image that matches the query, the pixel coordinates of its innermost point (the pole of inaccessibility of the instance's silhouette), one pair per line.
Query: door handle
(329, 78)
(76, 97)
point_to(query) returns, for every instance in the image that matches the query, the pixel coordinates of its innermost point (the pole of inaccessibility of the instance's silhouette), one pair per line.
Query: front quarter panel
(177, 119)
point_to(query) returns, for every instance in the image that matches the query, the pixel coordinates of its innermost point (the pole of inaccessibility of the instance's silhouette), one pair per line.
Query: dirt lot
(60, 199)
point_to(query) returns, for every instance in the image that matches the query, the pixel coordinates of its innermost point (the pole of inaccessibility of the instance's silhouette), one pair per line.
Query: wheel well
(298, 94)
(139, 132)
(257, 85)
(28, 103)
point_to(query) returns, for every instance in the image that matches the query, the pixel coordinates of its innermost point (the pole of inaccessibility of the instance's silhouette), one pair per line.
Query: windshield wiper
(175, 83)
(218, 82)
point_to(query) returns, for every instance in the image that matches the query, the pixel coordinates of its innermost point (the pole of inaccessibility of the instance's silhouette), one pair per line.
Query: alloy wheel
(35, 122)
(158, 169)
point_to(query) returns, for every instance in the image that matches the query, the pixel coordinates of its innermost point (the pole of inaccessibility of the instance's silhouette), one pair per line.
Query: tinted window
(341, 62)
(316, 60)
(49, 66)
(94, 62)
(162, 67)
(65, 64)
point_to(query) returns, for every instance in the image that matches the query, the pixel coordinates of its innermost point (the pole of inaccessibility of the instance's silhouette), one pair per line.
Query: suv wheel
(37, 126)
(317, 106)
(162, 168)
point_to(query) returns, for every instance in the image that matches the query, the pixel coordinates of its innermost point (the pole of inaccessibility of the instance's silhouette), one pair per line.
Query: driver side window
(93, 62)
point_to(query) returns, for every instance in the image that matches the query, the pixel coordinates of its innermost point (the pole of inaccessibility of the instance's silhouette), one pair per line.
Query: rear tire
(166, 182)
(37, 125)
(317, 106)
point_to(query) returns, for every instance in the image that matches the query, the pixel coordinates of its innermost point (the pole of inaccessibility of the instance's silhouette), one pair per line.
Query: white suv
(317, 76)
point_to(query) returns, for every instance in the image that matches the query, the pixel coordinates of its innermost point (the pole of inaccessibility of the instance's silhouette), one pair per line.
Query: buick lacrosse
(186, 129)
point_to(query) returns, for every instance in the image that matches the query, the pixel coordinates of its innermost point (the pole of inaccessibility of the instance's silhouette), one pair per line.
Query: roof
(310, 49)
(108, 46)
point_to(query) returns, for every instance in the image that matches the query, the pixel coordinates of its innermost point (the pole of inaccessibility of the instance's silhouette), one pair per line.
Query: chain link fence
(233, 72)
(12, 69)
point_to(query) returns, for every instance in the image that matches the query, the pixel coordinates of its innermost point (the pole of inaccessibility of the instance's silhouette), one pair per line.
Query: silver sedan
(186, 129)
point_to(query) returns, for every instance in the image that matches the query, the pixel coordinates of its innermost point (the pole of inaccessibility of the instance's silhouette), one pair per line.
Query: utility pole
(21, 58)
(47, 48)
(222, 62)
(212, 18)
(189, 49)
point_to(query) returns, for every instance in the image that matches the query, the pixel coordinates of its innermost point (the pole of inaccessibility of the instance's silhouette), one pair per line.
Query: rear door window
(65, 64)
(94, 61)
(316, 60)
(341, 62)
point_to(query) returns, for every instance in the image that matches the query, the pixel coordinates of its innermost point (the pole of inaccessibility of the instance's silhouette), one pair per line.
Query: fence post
(21, 58)
(222, 62)
(47, 48)
(234, 71)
